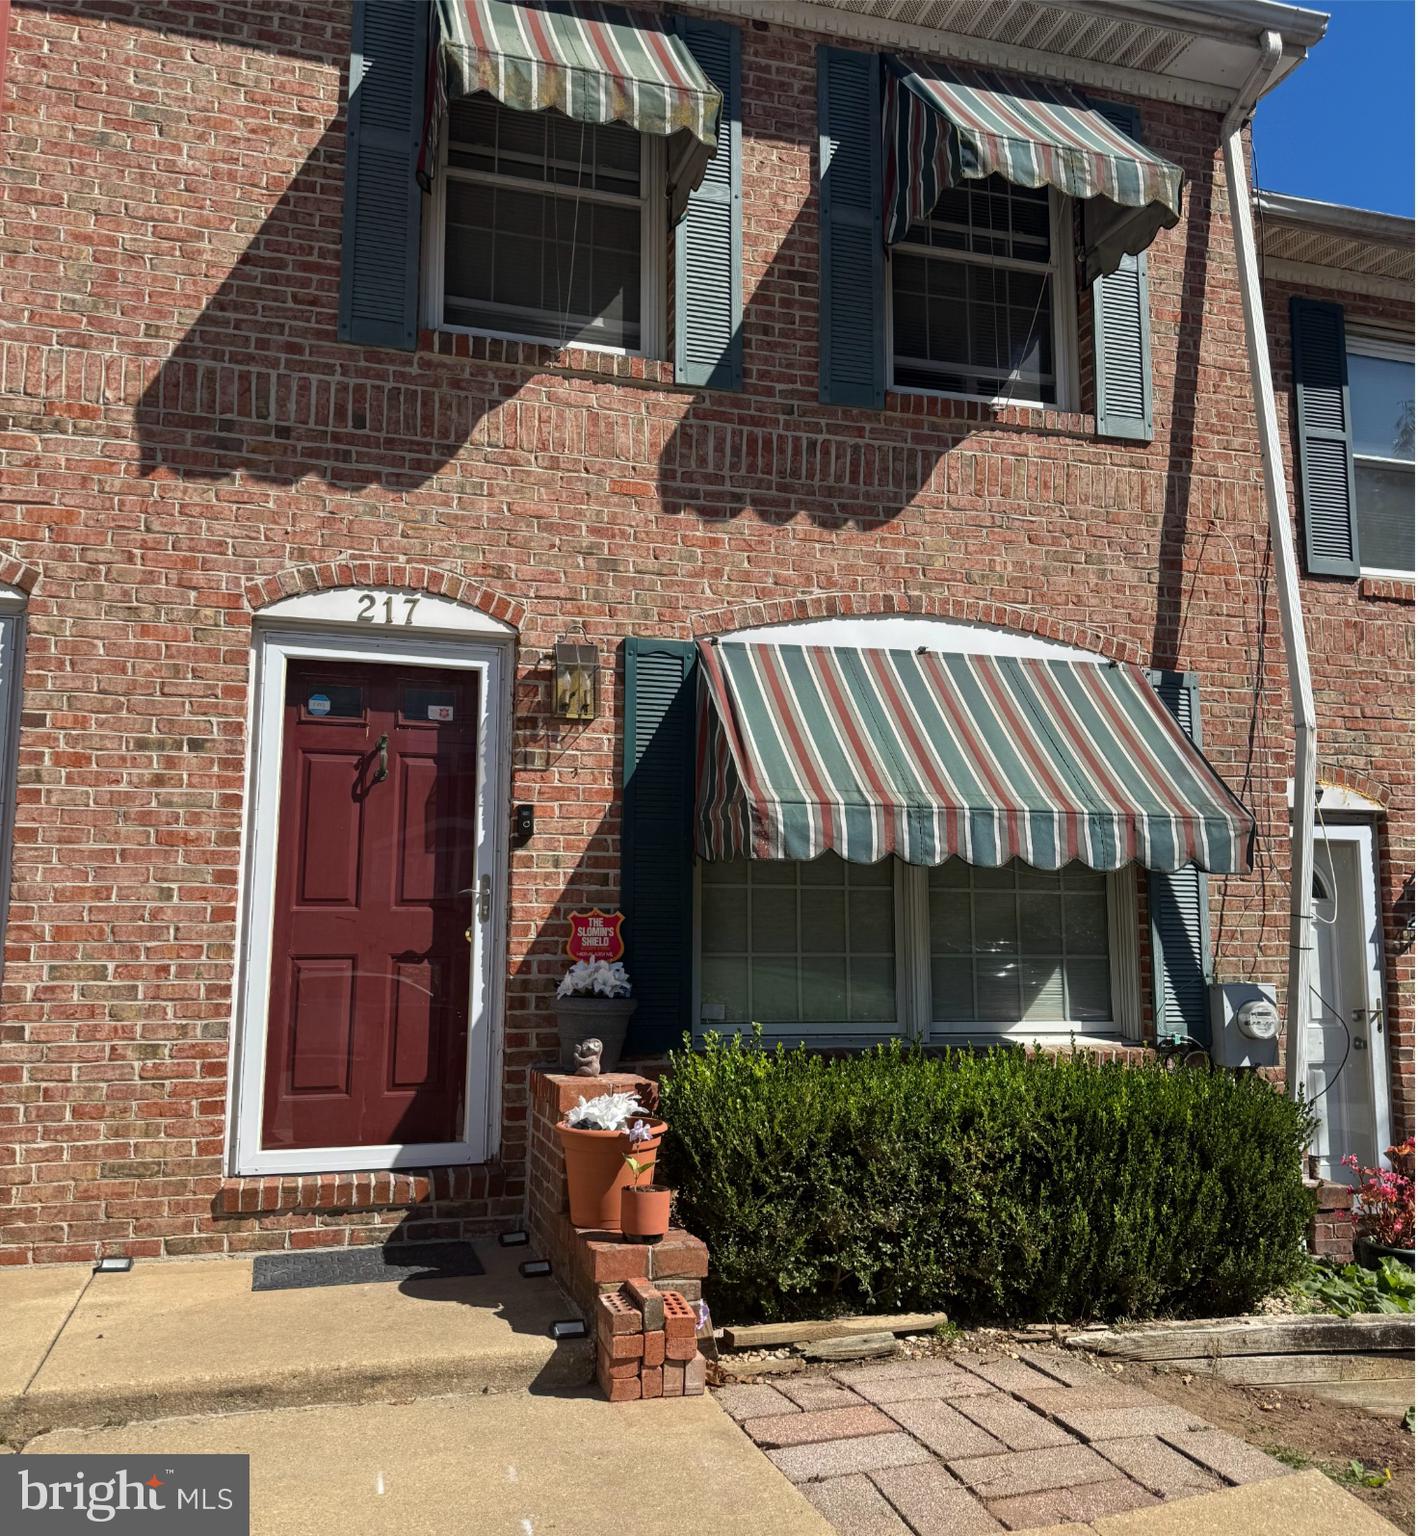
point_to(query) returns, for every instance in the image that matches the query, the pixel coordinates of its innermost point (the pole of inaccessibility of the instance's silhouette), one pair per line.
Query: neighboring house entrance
(1346, 1049)
(367, 1023)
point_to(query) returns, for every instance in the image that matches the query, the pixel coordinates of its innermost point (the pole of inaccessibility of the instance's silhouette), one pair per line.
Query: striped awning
(931, 756)
(595, 63)
(944, 124)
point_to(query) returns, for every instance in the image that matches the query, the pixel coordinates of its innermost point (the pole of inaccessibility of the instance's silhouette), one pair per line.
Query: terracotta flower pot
(645, 1212)
(596, 1171)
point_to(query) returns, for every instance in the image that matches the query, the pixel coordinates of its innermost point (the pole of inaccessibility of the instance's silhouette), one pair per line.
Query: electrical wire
(1348, 1046)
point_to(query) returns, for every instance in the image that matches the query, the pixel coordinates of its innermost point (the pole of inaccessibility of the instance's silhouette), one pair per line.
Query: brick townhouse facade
(286, 502)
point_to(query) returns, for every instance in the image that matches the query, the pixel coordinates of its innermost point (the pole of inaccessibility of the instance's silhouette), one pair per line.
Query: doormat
(364, 1266)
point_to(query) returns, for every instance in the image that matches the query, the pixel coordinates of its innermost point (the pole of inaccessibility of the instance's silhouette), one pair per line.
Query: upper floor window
(982, 295)
(1381, 407)
(552, 230)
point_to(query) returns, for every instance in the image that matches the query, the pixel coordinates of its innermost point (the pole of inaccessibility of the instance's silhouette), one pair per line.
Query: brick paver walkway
(976, 1444)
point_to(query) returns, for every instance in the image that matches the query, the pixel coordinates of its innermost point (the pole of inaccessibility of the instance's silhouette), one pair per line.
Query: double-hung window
(833, 951)
(1381, 407)
(552, 230)
(982, 297)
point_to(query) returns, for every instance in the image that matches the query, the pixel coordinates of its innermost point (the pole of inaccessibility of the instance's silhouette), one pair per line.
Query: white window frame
(1397, 352)
(1060, 268)
(1124, 979)
(844, 1035)
(914, 1011)
(654, 248)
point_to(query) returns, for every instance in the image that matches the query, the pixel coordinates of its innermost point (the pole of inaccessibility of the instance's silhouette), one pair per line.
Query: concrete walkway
(973, 1445)
(510, 1465)
(193, 1337)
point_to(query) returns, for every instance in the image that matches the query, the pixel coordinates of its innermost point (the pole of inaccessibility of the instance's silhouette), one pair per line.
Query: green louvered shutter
(1322, 424)
(853, 278)
(379, 268)
(709, 238)
(657, 838)
(1181, 923)
(1122, 327)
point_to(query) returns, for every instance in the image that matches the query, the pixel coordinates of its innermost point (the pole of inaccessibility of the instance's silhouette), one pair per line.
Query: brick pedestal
(1332, 1226)
(588, 1263)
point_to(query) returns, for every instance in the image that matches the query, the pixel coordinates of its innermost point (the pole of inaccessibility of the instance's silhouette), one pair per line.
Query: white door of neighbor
(1345, 1056)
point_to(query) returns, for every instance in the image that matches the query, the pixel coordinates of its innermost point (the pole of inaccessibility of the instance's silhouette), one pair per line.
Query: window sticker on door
(330, 701)
(436, 704)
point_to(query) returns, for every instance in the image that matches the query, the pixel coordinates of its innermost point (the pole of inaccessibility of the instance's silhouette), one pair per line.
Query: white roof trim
(1340, 218)
(1207, 28)
(1337, 279)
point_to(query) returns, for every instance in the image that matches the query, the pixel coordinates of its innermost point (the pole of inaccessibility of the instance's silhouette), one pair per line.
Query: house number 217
(374, 609)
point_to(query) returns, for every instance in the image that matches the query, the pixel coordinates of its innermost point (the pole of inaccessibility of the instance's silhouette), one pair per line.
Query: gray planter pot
(593, 1018)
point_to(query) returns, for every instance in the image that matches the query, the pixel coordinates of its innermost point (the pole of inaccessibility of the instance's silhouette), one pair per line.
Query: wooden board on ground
(1305, 1370)
(776, 1335)
(1392, 1399)
(1368, 1334)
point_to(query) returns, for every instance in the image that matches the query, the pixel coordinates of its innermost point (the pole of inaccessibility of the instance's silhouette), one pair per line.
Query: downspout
(1282, 543)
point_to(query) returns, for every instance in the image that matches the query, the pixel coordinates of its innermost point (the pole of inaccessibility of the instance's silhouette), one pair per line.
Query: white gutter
(1282, 543)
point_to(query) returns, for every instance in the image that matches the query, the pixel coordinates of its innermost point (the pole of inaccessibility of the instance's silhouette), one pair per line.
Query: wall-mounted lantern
(577, 665)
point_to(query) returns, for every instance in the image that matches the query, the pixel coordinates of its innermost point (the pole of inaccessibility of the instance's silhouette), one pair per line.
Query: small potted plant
(593, 1001)
(644, 1208)
(1383, 1208)
(597, 1136)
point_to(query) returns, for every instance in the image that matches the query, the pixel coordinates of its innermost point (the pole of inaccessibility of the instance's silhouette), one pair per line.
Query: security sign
(595, 935)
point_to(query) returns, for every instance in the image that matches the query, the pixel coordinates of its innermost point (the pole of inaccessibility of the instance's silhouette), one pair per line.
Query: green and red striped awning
(930, 756)
(944, 124)
(595, 63)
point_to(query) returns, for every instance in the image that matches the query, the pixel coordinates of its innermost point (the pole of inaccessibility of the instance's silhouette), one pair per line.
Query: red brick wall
(1361, 653)
(181, 421)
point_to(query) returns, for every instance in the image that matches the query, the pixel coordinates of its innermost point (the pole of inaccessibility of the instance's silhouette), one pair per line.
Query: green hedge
(1002, 1185)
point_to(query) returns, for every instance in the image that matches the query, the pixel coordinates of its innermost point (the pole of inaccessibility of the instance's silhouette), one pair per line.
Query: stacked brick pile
(646, 1344)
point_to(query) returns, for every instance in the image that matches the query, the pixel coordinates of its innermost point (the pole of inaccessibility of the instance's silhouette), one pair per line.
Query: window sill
(1388, 589)
(582, 362)
(1026, 418)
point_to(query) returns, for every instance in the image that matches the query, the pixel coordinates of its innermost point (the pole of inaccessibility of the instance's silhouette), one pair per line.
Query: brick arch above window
(865, 605)
(332, 575)
(16, 573)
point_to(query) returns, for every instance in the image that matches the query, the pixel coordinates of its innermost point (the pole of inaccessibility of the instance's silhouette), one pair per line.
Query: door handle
(381, 772)
(484, 898)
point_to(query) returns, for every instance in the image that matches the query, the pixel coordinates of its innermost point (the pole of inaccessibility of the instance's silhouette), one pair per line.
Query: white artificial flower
(609, 1112)
(592, 978)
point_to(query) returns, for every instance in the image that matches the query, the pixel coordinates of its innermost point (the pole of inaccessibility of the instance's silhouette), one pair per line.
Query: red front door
(368, 1022)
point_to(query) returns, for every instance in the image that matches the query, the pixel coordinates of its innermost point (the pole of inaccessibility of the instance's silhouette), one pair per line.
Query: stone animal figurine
(588, 1058)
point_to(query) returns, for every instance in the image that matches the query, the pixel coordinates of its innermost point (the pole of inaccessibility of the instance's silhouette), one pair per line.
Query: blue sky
(1340, 128)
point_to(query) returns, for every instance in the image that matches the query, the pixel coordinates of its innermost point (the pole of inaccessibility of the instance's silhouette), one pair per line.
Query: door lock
(484, 897)
(1371, 1016)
